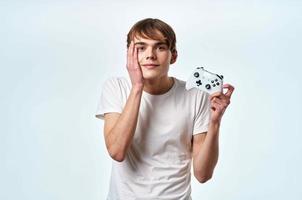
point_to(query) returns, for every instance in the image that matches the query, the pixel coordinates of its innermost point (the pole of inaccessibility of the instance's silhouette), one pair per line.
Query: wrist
(137, 88)
(214, 125)
(215, 120)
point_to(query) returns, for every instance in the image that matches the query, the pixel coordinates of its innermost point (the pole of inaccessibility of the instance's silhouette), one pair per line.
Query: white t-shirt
(158, 162)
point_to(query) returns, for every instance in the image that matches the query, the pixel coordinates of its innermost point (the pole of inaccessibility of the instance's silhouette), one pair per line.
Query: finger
(131, 47)
(128, 55)
(230, 90)
(216, 106)
(135, 61)
(220, 102)
(224, 98)
(223, 102)
(216, 100)
(219, 95)
(216, 94)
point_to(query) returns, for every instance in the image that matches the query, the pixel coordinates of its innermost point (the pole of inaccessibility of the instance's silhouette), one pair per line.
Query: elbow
(202, 178)
(118, 156)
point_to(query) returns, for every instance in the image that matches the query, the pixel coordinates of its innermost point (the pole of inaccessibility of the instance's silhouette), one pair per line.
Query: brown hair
(148, 28)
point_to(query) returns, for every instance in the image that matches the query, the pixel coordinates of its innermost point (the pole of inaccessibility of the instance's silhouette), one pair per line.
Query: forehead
(145, 41)
(155, 38)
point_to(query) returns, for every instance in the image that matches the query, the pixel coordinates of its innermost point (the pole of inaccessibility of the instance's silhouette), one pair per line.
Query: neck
(158, 86)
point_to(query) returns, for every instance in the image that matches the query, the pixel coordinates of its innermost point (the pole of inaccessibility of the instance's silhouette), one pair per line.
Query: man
(153, 126)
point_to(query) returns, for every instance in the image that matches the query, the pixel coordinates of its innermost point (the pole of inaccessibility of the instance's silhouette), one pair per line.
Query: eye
(162, 47)
(140, 48)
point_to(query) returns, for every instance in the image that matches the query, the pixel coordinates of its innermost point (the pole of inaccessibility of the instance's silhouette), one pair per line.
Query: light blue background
(55, 56)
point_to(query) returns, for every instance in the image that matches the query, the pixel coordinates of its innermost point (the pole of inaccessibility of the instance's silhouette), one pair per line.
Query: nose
(150, 54)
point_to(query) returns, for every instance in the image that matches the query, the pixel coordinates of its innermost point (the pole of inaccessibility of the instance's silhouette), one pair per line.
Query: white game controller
(205, 81)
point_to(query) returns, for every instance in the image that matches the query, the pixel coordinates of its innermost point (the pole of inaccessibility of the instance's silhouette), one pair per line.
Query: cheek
(167, 58)
(140, 57)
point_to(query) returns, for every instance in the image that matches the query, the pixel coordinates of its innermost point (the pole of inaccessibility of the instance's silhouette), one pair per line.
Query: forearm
(207, 157)
(120, 137)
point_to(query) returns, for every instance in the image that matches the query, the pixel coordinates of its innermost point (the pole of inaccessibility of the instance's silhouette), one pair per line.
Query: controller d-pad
(198, 83)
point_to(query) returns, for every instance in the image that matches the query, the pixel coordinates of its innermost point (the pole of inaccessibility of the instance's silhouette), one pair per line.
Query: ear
(174, 57)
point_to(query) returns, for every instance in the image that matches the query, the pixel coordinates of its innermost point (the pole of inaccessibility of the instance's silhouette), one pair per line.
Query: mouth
(150, 66)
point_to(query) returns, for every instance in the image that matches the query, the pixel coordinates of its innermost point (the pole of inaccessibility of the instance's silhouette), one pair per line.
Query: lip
(150, 66)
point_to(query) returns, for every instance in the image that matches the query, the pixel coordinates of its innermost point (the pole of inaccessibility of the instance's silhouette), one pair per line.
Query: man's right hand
(133, 67)
(119, 128)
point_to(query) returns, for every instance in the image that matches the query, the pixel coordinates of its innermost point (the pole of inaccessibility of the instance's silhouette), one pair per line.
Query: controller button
(217, 83)
(196, 74)
(216, 80)
(212, 81)
(221, 77)
(213, 85)
(208, 86)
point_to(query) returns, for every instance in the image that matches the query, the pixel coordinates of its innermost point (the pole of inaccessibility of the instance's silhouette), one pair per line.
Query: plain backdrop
(56, 55)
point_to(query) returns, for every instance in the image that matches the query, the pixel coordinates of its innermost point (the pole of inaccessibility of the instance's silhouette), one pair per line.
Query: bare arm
(206, 146)
(120, 128)
(205, 153)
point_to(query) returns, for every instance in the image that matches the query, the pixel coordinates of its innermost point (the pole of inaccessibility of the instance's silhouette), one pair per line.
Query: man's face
(154, 57)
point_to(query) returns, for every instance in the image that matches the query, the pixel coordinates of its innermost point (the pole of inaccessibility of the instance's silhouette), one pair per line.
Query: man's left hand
(219, 103)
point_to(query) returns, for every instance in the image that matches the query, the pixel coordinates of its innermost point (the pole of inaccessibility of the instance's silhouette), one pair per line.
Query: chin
(150, 76)
(153, 73)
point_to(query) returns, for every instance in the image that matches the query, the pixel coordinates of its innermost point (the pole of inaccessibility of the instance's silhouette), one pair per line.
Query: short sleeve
(202, 118)
(110, 99)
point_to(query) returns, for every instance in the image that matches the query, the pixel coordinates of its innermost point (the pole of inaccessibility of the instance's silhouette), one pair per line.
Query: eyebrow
(157, 43)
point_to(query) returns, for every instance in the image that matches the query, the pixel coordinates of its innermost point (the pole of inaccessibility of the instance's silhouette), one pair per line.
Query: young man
(154, 128)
